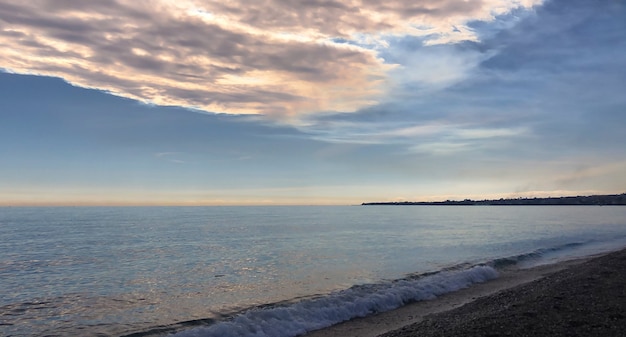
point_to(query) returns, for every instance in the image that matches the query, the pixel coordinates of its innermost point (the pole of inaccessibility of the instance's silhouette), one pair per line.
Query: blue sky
(315, 102)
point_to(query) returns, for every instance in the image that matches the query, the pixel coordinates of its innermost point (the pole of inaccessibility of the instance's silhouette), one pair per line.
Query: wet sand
(575, 298)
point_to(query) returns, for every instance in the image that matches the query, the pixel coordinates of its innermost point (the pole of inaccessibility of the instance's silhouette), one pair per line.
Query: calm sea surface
(265, 271)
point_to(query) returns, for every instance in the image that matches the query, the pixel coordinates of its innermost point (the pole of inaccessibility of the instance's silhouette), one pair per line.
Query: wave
(561, 252)
(535, 255)
(358, 301)
(290, 319)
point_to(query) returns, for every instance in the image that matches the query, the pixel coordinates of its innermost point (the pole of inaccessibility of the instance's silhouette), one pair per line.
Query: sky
(281, 102)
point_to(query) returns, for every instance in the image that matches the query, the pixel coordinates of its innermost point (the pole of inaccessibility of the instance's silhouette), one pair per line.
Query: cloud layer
(274, 57)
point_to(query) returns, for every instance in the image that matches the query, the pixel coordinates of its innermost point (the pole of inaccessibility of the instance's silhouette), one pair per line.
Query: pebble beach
(585, 297)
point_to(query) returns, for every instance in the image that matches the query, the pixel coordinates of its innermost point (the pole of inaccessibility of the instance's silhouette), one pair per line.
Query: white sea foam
(358, 301)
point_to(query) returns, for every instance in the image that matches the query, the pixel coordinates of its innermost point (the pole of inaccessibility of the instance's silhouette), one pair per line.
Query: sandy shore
(574, 298)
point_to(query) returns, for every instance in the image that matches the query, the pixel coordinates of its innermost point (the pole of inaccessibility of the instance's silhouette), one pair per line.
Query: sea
(266, 271)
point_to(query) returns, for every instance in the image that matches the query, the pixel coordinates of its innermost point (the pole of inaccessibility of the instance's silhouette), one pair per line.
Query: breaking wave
(358, 301)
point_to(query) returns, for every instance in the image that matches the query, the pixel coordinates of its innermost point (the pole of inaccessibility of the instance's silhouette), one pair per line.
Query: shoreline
(506, 301)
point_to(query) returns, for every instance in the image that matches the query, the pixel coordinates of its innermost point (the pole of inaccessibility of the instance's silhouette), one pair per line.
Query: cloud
(278, 57)
(538, 110)
(170, 157)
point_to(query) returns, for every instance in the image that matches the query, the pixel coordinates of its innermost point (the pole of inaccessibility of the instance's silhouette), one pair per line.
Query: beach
(584, 297)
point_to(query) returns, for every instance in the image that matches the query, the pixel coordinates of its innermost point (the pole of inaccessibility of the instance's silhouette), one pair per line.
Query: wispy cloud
(170, 157)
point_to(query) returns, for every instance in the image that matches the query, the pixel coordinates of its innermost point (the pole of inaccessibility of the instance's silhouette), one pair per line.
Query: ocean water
(265, 271)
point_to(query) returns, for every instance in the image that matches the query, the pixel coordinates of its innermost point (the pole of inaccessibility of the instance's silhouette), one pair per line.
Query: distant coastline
(599, 200)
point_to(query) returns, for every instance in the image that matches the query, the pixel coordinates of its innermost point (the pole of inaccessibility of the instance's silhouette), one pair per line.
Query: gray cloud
(545, 95)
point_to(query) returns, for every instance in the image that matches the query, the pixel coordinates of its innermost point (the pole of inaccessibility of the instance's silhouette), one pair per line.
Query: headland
(598, 200)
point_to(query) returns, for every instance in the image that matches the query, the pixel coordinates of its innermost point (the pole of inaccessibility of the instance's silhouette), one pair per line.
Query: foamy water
(265, 271)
